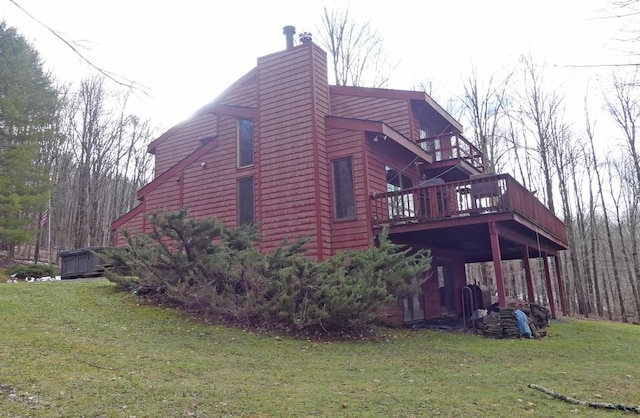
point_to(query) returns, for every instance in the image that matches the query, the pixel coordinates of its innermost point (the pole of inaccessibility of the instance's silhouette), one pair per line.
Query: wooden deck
(457, 214)
(453, 147)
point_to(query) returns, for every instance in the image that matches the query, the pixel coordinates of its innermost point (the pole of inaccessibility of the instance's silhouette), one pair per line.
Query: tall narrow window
(245, 142)
(245, 201)
(344, 198)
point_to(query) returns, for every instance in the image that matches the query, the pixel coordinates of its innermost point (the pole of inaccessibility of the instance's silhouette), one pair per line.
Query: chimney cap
(306, 38)
(288, 32)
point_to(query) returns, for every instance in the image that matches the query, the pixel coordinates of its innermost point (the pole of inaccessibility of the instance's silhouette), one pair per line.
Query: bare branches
(122, 81)
(544, 110)
(598, 405)
(356, 50)
(624, 107)
(627, 8)
(102, 165)
(487, 105)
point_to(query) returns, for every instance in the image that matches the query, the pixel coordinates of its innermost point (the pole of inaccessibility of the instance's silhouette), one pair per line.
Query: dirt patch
(13, 395)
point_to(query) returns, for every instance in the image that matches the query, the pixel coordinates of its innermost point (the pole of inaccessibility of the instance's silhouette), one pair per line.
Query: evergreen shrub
(23, 271)
(213, 270)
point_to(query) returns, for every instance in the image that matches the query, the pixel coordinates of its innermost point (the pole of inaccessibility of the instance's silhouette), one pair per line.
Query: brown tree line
(96, 164)
(587, 175)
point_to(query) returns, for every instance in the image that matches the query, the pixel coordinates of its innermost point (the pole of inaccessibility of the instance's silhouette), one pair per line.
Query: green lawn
(79, 348)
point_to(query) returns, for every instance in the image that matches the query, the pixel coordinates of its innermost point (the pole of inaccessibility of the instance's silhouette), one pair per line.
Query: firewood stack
(503, 324)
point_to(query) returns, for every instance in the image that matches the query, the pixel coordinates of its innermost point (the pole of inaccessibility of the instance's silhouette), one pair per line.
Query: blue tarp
(523, 323)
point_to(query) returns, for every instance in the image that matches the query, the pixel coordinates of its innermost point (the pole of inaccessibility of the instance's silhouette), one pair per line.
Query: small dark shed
(82, 262)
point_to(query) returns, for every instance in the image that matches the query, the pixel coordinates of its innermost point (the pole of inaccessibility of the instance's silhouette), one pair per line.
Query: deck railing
(453, 146)
(488, 194)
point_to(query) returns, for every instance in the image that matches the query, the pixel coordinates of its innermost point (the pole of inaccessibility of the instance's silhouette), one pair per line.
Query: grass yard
(79, 348)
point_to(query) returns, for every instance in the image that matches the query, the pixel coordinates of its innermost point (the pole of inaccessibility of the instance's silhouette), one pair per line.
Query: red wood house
(284, 149)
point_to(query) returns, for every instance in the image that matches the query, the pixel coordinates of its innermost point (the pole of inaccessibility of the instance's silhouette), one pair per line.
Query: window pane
(245, 142)
(345, 207)
(406, 182)
(396, 180)
(245, 201)
(393, 179)
(400, 205)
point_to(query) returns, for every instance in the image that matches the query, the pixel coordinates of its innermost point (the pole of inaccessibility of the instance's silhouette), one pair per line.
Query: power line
(595, 65)
(111, 76)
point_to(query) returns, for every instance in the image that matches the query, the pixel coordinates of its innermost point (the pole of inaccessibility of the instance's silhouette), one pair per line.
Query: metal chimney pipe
(289, 31)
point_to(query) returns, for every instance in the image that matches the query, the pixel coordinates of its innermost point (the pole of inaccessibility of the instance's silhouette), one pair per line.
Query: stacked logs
(502, 323)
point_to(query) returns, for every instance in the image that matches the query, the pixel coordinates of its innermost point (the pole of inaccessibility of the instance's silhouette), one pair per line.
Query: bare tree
(614, 255)
(632, 203)
(133, 168)
(565, 151)
(592, 228)
(579, 251)
(624, 107)
(543, 109)
(627, 11)
(102, 166)
(486, 105)
(356, 48)
(596, 169)
(621, 202)
(518, 145)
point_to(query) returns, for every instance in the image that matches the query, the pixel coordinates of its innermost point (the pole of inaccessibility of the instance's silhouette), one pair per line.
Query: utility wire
(111, 76)
(629, 64)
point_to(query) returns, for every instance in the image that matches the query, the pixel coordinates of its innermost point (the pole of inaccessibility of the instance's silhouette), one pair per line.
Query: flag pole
(49, 229)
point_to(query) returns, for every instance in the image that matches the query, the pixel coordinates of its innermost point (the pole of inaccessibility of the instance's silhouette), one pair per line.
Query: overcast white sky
(187, 52)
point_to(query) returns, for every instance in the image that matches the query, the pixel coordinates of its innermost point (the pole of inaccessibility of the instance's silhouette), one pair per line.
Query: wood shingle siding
(292, 97)
(356, 233)
(392, 111)
(184, 141)
(241, 93)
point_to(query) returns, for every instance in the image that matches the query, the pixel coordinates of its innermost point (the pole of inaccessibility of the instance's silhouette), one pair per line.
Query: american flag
(43, 218)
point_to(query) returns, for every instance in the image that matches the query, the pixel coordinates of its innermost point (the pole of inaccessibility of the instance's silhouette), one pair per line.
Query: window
(245, 142)
(426, 126)
(344, 198)
(401, 205)
(397, 181)
(245, 201)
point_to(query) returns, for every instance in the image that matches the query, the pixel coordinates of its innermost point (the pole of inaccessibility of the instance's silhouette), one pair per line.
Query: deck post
(527, 274)
(497, 263)
(563, 306)
(547, 277)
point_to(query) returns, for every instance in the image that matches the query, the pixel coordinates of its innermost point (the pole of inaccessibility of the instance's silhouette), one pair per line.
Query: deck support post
(531, 294)
(547, 277)
(563, 306)
(497, 263)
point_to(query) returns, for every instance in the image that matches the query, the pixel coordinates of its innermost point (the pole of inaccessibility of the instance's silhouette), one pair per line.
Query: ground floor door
(446, 289)
(413, 308)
